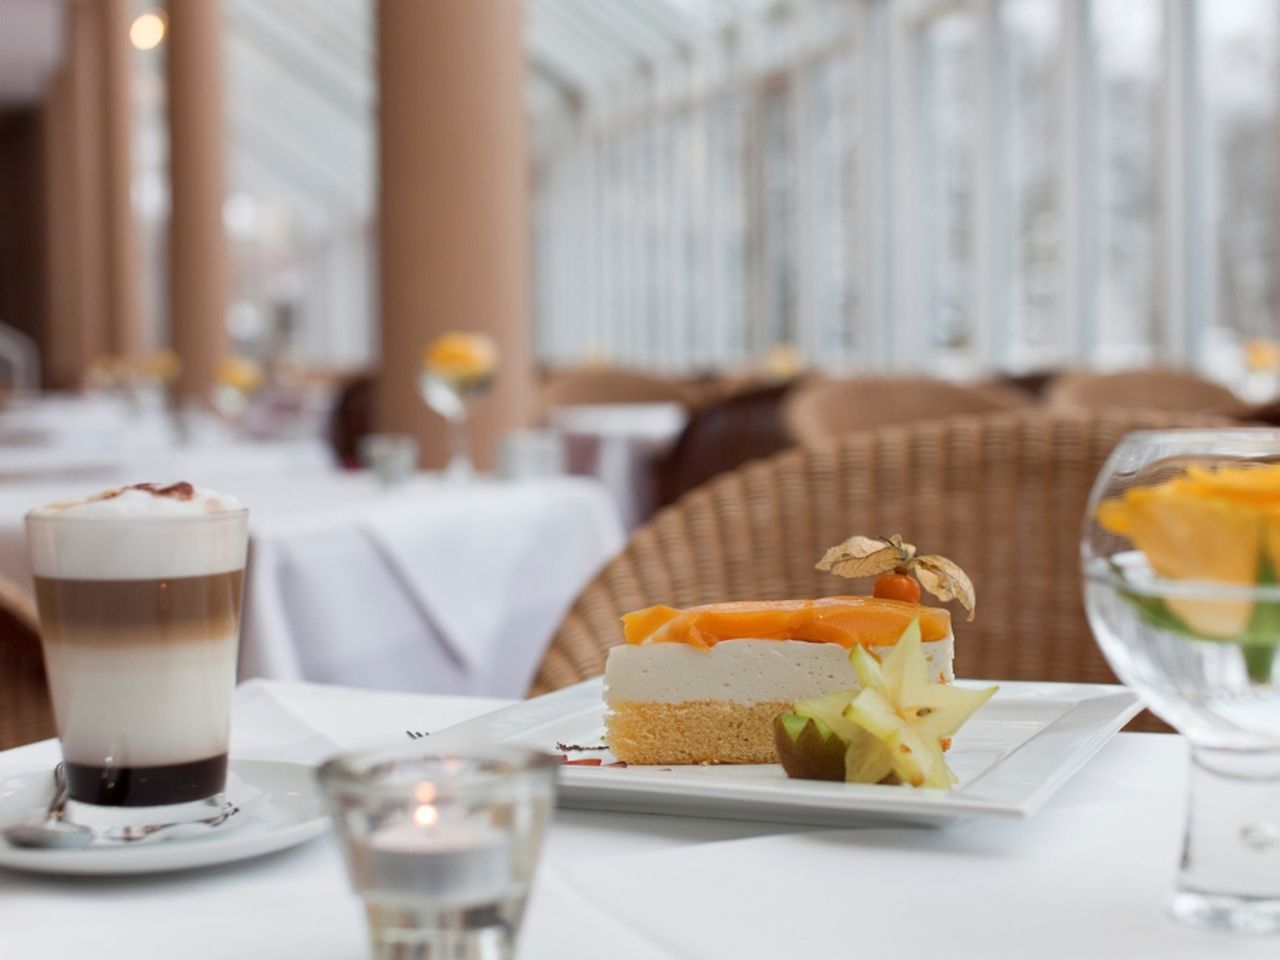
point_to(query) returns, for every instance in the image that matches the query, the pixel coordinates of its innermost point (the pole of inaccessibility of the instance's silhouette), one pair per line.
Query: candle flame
(425, 792)
(426, 815)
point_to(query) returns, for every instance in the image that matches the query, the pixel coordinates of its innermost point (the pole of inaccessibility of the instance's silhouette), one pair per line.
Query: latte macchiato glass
(139, 598)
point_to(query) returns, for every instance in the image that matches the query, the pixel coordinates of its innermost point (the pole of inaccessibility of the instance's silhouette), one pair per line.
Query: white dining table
(1087, 876)
(429, 586)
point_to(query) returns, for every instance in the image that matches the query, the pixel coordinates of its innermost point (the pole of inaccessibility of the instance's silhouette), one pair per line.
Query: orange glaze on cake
(869, 621)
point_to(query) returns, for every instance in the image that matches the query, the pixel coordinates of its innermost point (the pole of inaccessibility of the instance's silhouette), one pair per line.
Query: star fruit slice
(908, 714)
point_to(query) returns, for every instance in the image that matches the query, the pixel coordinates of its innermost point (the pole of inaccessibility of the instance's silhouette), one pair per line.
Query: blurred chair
(1264, 414)
(1003, 495)
(25, 712)
(607, 385)
(724, 434)
(1153, 389)
(823, 409)
(1033, 383)
(351, 419)
(1012, 391)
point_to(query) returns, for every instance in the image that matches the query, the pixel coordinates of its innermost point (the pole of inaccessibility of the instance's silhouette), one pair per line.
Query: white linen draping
(431, 587)
(1086, 877)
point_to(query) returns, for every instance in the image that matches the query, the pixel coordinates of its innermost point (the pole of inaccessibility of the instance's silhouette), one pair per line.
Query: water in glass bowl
(1221, 693)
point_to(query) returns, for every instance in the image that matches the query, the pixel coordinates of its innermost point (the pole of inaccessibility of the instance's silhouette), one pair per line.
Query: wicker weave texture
(1003, 495)
(822, 409)
(25, 712)
(1154, 389)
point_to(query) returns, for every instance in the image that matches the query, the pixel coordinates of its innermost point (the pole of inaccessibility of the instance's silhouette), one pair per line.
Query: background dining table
(430, 585)
(1087, 876)
(621, 445)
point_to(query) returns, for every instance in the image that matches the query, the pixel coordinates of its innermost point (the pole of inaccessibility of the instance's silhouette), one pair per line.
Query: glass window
(1127, 40)
(777, 192)
(1028, 236)
(1242, 133)
(947, 73)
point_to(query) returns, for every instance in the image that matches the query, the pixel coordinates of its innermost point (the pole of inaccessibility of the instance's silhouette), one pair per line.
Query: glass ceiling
(301, 88)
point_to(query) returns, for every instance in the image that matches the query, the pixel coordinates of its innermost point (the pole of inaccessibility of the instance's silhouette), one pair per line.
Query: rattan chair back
(1154, 389)
(823, 409)
(1003, 495)
(25, 711)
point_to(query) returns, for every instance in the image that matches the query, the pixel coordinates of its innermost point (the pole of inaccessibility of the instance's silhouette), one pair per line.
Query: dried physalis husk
(870, 556)
(945, 580)
(866, 556)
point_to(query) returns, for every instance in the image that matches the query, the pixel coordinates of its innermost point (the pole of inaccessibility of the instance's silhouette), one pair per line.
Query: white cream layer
(744, 671)
(146, 705)
(139, 547)
(134, 503)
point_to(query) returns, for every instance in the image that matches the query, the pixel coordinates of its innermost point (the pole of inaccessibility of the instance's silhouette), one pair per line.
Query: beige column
(76, 206)
(198, 264)
(62, 360)
(123, 305)
(453, 206)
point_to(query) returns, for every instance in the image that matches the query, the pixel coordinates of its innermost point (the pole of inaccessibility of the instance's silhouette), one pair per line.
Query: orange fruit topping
(869, 621)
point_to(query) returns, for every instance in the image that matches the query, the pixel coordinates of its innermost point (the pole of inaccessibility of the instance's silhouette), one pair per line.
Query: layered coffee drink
(138, 591)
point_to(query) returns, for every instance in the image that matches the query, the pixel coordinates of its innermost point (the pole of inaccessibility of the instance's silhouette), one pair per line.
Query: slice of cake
(704, 685)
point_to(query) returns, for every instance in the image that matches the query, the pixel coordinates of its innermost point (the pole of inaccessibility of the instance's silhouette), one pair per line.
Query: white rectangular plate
(1020, 747)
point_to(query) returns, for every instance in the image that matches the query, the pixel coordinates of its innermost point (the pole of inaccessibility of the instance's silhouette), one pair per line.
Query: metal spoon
(54, 832)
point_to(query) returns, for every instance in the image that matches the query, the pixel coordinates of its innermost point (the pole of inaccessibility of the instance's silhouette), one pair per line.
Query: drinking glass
(139, 622)
(452, 397)
(391, 457)
(1180, 554)
(531, 454)
(441, 846)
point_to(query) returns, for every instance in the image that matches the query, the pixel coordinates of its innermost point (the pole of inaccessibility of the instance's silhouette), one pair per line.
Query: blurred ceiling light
(147, 30)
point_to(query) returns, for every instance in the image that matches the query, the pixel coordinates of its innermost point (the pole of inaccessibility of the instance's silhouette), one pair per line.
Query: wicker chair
(1003, 495)
(572, 387)
(823, 409)
(25, 712)
(1155, 389)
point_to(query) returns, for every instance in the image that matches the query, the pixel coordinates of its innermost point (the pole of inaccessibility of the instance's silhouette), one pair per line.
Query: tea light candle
(440, 861)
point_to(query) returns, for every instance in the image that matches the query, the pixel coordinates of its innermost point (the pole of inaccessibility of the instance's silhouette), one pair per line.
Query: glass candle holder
(442, 847)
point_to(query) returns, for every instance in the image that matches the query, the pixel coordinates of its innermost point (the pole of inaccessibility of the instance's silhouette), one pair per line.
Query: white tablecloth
(430, 587)
(1089, 876)
(104, 439)
(621, 444)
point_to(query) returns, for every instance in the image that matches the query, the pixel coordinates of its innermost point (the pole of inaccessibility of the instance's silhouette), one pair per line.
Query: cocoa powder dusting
(175, 491)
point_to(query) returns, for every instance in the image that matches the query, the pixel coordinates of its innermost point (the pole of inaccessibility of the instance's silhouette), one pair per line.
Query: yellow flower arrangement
(1219, 524)
(106, 370)
(1262, 354)
(239, 373)
(464, 359)
(163, 366)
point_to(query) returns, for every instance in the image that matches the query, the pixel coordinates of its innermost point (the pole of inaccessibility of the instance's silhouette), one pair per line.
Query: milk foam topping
(143, 500)
(138, 533)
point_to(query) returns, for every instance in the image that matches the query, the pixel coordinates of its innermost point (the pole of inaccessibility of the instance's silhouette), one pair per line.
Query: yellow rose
(1210, 524)
(162, 365)
(461, 357)
(239, 373)
(1262, 354)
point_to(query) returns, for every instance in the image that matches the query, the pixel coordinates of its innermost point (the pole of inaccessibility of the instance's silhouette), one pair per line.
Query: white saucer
(287, 809)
